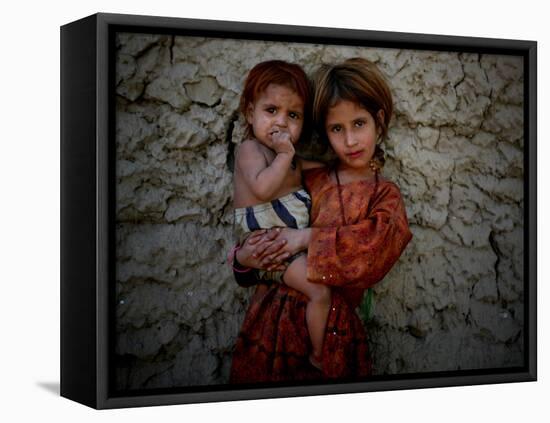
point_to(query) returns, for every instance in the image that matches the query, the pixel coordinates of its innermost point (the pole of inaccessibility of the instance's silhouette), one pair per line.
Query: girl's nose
(349, 139)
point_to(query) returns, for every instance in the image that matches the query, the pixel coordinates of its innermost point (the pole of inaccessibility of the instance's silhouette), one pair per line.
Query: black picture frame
(87, 197)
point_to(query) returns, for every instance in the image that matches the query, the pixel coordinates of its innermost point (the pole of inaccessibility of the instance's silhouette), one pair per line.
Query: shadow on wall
(51, 387)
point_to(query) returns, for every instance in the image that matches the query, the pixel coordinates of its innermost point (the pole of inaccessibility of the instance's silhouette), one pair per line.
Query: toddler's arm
(264, 179)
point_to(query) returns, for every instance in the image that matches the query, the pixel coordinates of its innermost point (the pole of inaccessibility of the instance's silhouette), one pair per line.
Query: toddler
(268, 188)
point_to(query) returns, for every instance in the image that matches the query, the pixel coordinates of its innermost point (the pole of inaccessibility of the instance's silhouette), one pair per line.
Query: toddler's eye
(294, 115)
(270, 110)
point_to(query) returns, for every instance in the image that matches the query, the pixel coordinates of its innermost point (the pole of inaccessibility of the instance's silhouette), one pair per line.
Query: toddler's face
(278, 108)
(352, 132)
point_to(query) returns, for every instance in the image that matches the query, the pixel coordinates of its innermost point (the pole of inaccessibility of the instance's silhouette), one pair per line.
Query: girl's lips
(355, 154)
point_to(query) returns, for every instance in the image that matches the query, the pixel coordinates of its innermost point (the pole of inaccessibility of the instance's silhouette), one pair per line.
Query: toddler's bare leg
(319, 302)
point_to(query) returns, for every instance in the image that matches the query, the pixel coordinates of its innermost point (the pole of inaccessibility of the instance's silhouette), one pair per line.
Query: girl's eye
(294, 115)
(359, 124)
(270, 110)
(336, 128)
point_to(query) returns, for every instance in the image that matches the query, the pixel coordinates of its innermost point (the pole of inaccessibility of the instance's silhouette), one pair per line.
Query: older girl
(358, 231)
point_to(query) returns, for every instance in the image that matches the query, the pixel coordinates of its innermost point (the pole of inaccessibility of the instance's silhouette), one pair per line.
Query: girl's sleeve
(245, 277)
(361, 254)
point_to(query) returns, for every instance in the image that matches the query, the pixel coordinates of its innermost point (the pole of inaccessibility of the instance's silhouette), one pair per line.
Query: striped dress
(291, 211)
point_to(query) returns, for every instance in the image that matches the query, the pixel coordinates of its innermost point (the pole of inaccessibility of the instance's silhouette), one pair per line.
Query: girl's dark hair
(357, 80)
(280, 73)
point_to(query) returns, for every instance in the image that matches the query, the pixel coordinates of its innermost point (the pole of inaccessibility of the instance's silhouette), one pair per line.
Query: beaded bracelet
(231, 259)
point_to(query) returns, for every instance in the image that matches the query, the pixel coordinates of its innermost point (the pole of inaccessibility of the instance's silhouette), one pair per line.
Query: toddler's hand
(282, 142)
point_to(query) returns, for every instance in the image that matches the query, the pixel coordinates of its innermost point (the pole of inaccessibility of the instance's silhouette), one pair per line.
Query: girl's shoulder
(386, 185)
(315, 177)
(318, 179)
(388, 195)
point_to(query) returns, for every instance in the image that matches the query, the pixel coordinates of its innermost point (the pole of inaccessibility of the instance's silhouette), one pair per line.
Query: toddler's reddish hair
(282, 73)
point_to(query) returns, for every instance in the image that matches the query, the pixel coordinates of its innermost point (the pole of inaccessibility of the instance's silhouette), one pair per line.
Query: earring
(377, 161)
(374, 165)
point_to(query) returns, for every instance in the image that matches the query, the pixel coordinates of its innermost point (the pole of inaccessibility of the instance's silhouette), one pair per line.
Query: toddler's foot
(315, 361)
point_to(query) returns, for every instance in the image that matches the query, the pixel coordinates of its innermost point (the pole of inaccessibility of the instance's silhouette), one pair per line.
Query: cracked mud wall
(455, 148)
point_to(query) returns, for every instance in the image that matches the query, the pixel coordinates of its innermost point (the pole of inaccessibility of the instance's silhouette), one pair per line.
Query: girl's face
(352, 132)
(278, 108)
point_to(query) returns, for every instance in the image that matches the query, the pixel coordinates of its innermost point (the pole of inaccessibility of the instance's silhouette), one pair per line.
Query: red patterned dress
(273, 344)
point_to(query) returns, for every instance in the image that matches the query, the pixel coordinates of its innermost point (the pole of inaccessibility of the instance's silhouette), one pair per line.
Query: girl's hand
(257, 243)
(290, 242)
